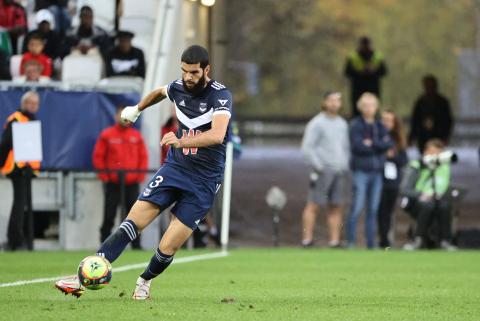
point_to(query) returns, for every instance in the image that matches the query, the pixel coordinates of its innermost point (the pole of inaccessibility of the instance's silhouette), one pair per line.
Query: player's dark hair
(196, 54)
(86, 9)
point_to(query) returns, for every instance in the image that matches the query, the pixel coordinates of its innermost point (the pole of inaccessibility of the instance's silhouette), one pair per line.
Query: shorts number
(158, 180)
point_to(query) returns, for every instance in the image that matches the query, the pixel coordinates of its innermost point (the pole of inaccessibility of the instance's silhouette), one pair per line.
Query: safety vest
(358, 63)
(424, 183)
(9, 165)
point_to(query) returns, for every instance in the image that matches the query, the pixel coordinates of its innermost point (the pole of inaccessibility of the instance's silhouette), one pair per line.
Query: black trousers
(432, 212)
(112, 201)
(385, 213)
(20, 225)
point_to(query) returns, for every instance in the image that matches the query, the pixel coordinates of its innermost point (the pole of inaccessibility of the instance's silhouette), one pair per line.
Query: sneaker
(446, 245)
(70, 285)
(415, 245)
(335, 245)
(142, 289)
(307, 244)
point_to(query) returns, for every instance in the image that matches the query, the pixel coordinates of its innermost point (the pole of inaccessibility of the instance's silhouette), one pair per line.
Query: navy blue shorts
(194, 196)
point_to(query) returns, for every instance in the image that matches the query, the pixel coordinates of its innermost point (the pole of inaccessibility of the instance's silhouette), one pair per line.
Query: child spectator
(35, 52)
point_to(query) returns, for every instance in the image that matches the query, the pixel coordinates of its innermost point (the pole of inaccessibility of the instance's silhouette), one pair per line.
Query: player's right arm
(132, 113)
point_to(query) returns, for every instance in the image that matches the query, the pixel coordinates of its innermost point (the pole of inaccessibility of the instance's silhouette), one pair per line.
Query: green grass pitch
(257, 284)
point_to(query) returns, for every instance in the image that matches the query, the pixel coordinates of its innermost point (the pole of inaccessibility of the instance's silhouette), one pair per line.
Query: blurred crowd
(373, 151)
(37, 55)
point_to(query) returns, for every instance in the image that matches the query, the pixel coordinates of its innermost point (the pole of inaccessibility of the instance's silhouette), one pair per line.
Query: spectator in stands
(4, 66)
(426, 185)
(392, 174)
(14, 19)
(35, 52)
(45, 22)
(326, 148)
(365, 67)
(20, 226)
(369, 142)
(33, 73)
(120, 147)
(87, 38)
(432, 116)
(59, 9)
(124, 59)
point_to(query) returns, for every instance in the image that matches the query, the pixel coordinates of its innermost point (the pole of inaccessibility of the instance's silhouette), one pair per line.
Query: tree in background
(300, 47)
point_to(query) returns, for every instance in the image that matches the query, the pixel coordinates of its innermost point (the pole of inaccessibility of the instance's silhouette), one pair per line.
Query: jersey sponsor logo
(182, 103)
(223, 102)
(191, 133)
(203, 107)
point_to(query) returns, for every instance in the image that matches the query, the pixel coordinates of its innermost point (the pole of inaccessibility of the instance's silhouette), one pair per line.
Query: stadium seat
(15, 62)
(84, 69)
(141, 21)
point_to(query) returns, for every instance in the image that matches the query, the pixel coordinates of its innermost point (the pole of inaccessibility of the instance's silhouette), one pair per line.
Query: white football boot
(142, 289)
(70, 285)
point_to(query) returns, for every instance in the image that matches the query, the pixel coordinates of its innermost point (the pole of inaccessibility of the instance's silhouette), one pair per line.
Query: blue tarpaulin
(71, 122)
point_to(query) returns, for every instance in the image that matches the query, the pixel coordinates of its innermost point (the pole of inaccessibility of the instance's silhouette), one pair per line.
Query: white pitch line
(124, 268)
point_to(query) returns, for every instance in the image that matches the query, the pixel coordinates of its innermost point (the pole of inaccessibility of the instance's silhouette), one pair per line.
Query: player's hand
(171, 139)
(130, 114)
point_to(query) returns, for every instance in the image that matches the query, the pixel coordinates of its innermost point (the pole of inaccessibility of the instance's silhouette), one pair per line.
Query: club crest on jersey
(223, 102)
(203, 107)
(182, 103)
(147, 191)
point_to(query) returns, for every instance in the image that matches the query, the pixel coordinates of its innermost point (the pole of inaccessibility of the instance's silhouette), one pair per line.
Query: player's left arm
(213, 136)
(131, 113)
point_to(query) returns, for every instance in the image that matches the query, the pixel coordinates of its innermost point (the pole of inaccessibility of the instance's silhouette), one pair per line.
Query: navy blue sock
(157, 265)
(114, 245)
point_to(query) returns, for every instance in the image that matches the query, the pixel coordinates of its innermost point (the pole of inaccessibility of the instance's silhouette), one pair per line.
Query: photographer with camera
(425, 187)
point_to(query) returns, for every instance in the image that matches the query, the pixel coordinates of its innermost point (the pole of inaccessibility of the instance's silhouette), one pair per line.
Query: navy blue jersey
(194, 114)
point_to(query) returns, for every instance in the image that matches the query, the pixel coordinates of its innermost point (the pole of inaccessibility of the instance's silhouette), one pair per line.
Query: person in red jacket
(13, 19)
(35, 52)
(119, 147)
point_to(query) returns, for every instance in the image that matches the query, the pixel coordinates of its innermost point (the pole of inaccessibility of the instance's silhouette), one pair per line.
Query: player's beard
(197, 89)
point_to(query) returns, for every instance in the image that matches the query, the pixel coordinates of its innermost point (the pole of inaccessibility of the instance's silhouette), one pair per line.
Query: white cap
(45, 15)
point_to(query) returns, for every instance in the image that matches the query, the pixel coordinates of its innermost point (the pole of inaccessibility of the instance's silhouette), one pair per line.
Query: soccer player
(191, 175)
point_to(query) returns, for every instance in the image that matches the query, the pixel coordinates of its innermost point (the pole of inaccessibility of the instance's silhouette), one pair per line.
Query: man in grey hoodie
(326, 148)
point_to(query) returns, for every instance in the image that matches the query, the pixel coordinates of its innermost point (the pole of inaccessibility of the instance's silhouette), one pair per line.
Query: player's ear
(207, 70)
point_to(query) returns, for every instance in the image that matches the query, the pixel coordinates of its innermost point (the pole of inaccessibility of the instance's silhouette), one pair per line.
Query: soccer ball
(94, 272)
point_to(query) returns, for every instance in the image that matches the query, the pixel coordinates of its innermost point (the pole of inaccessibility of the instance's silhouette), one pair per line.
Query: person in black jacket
(87, 37)
(125, 59)
(432, 116)
(369, 141)
(392, 175)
